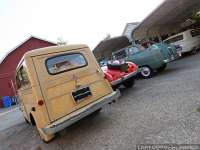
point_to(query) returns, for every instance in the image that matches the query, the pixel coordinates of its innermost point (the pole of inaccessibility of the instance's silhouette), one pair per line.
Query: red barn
(9, 63)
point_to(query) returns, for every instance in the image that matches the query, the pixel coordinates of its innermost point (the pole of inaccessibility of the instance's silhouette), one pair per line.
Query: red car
(120, 72)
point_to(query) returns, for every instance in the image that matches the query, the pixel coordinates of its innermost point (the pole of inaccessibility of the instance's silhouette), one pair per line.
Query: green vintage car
(154, 58)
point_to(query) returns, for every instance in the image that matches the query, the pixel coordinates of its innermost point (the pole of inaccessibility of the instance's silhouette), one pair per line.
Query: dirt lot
(158, 110)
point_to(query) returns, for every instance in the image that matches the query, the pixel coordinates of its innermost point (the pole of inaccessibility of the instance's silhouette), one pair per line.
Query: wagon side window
(18, 79)
(65, 62)
(22, 77)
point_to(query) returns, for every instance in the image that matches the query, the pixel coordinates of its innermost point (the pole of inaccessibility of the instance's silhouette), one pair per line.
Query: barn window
(66, 62)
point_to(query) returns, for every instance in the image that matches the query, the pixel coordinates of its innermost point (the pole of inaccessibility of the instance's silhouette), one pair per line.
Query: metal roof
(166, 18)
(106, 47)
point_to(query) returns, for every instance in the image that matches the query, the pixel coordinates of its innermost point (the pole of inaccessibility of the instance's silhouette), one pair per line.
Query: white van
(188, 40)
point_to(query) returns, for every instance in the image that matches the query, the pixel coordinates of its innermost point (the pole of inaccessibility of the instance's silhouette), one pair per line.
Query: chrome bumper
(168, 60)
(118, 81)
(79, 114)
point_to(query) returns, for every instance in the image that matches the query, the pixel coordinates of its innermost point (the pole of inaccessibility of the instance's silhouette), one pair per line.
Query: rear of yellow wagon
(64, 84)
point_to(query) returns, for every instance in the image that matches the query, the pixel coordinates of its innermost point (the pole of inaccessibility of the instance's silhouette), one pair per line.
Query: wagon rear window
(62, 63)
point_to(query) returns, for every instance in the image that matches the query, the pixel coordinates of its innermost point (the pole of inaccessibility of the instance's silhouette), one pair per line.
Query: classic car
(148, 60)
(120, 73)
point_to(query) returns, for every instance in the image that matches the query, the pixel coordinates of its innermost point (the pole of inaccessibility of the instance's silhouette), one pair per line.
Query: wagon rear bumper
(79, 114)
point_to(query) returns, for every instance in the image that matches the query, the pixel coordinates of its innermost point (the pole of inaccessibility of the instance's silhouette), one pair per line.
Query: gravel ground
(158, 110)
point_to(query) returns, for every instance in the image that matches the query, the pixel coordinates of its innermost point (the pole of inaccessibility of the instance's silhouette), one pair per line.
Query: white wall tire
(146, 72)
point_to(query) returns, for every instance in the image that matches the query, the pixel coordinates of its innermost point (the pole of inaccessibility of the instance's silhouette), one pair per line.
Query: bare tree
(61, 41)
(108, 36)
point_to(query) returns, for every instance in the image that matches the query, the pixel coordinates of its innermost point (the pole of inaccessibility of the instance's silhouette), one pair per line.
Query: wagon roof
(54, 49)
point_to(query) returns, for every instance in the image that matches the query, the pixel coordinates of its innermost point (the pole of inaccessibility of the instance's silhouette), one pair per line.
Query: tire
(114, 66)
(32, 120)
(26, 121)
(120, 66)
(162, 68)
(194, 51)
(146, 72)
(115, 87)
(129, 83)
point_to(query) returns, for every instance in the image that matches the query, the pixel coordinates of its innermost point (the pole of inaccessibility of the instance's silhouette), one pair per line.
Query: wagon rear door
(69, 80)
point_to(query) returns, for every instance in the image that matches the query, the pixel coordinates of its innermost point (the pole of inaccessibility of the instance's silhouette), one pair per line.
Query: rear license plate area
(80, 94)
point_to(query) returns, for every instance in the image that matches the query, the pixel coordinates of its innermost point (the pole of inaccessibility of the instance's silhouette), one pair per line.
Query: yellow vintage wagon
(60, 85)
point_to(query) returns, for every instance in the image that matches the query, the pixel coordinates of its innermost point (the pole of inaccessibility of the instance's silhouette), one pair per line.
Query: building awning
(167, 18)
(105, 48)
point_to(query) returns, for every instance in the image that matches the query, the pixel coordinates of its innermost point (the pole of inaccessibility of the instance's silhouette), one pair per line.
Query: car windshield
(133, 50)
(129, 50)
(119, 55)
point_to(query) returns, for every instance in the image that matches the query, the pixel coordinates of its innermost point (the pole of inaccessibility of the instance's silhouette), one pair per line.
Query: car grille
(170, 52)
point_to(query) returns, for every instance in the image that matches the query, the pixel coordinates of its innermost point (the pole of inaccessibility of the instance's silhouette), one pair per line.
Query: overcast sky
(76, 21)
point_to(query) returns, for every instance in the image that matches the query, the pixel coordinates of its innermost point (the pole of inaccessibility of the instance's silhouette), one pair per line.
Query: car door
(135, 55)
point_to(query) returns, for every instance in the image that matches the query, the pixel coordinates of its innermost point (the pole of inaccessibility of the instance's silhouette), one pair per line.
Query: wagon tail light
(40, 102)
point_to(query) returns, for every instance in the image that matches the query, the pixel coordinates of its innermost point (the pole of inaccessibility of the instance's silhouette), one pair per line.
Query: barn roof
(12, 50)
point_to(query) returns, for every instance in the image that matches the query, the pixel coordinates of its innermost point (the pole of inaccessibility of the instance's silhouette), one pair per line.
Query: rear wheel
(129, 83)
(26, 120)
(146, 72)
(115, 87)
(32, 120)
(194, 51)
